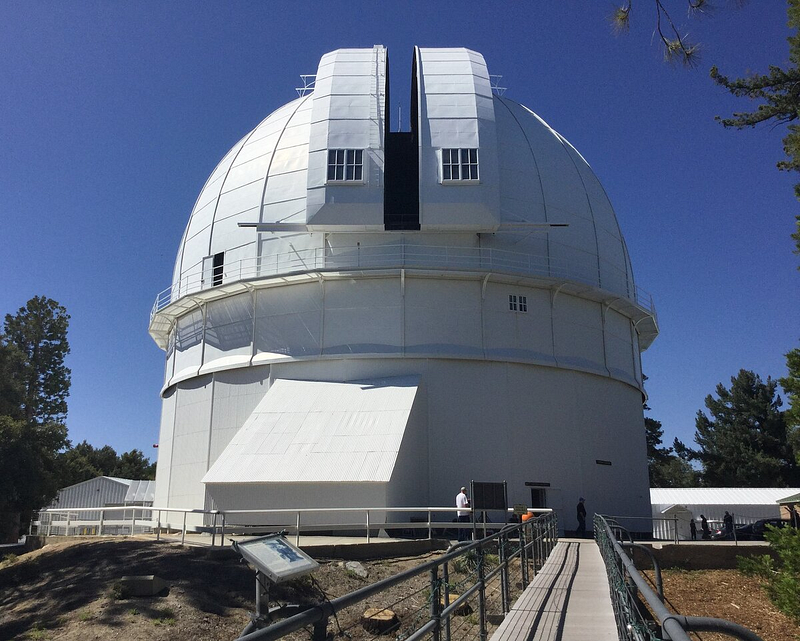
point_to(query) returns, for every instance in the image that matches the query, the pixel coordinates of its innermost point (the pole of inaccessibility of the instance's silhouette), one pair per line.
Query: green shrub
(468, 563)
(782, 580)
(761, 566)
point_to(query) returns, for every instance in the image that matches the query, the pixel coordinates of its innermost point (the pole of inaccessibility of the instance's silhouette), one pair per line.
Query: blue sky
(112, 116)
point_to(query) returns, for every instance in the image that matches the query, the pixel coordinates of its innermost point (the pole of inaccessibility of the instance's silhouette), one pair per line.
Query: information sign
(276, 557)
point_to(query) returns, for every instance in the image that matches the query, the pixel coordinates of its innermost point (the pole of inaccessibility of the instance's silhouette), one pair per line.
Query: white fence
(158, 520)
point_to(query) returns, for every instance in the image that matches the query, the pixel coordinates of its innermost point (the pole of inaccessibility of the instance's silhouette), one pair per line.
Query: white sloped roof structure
(140, 492)
(304, 431)
(719, 495)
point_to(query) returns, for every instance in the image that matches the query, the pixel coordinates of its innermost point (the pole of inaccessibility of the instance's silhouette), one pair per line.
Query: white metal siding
(312, 431)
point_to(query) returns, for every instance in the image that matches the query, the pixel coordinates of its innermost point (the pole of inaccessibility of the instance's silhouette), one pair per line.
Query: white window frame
(518, 303)
(347, 166)
(458, 162)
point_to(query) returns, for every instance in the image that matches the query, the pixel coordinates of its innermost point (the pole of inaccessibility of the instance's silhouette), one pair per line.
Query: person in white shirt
(462, 503)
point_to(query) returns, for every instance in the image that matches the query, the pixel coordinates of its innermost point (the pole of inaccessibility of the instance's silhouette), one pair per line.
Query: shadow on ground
(38, 591)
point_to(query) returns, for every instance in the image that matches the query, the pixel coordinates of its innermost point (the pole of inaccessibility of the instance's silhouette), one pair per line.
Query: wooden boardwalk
(568, 600)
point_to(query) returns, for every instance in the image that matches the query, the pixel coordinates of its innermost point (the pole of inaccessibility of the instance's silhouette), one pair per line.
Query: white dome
(360, 316)
(537, 207)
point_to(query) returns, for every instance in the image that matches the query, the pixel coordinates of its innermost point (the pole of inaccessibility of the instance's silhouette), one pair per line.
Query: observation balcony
(602, 281)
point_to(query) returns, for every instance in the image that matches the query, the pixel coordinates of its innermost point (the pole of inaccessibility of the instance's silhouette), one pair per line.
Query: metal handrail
(318, 616)
(403, 255)
(222, 519)
(629, 618)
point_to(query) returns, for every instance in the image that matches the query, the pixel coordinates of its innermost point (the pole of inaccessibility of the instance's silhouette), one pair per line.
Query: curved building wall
(530, 424)
(408, 314)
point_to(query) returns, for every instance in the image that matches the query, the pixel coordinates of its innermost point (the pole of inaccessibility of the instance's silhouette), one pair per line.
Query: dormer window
(345, 165)
(459, 164)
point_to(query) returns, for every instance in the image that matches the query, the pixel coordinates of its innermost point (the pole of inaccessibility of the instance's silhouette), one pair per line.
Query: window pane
(349, 175)
(339, 172)
(340, 156)
(358, 172)
(359, 156)
(473, 155)
(473, 172)
(465, 155)
(351, 156)
(331, 172)
(331, 157)
(446, 172)
(456, 175)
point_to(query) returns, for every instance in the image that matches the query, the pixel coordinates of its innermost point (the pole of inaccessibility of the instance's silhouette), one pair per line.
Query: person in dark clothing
(581, 531)
(705, 528)
(693, 530)
(727, 522)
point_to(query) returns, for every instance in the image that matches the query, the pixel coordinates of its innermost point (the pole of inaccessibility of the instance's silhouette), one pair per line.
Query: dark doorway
(401, 167)
(216, 269)
(401, 189)
(538, 497)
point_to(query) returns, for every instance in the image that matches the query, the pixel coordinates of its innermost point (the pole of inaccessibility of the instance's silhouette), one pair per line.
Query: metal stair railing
(521, 548)
(627, 585)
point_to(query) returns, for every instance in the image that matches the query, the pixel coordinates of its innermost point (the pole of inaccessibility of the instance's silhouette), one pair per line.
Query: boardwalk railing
(459, 596)
(413, 522)
(640, 612)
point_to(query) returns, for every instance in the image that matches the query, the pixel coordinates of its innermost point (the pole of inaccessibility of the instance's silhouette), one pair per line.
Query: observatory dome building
(361, 317)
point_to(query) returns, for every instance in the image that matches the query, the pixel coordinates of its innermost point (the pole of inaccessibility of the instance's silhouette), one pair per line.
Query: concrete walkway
(568, 600)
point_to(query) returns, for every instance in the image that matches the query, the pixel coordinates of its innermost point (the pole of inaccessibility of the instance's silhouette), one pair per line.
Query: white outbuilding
(362, 317)
(745, 504)
(99, 492)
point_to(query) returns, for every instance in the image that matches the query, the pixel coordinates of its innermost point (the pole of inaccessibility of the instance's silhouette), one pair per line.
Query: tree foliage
(791, 385)
(84, 462)
(743, 442)
(666, 469)
(677, 46)
(782, 580)
(36, 459)
(36, 337)
(34, 385)
(778, 93)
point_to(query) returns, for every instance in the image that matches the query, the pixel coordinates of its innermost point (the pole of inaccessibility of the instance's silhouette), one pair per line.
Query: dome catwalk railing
(403, 255)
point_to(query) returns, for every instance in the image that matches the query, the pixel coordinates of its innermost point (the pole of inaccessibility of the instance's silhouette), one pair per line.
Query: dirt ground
(67, 591)
(727, 594)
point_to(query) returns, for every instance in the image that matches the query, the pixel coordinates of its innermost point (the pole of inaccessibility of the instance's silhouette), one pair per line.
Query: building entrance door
(538, 497)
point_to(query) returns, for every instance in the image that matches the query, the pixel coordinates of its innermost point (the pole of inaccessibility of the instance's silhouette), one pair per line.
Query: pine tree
(744, 440)
(778, 93)
(33, 405)
(665, 468)
(38, 332)
(791, 385)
